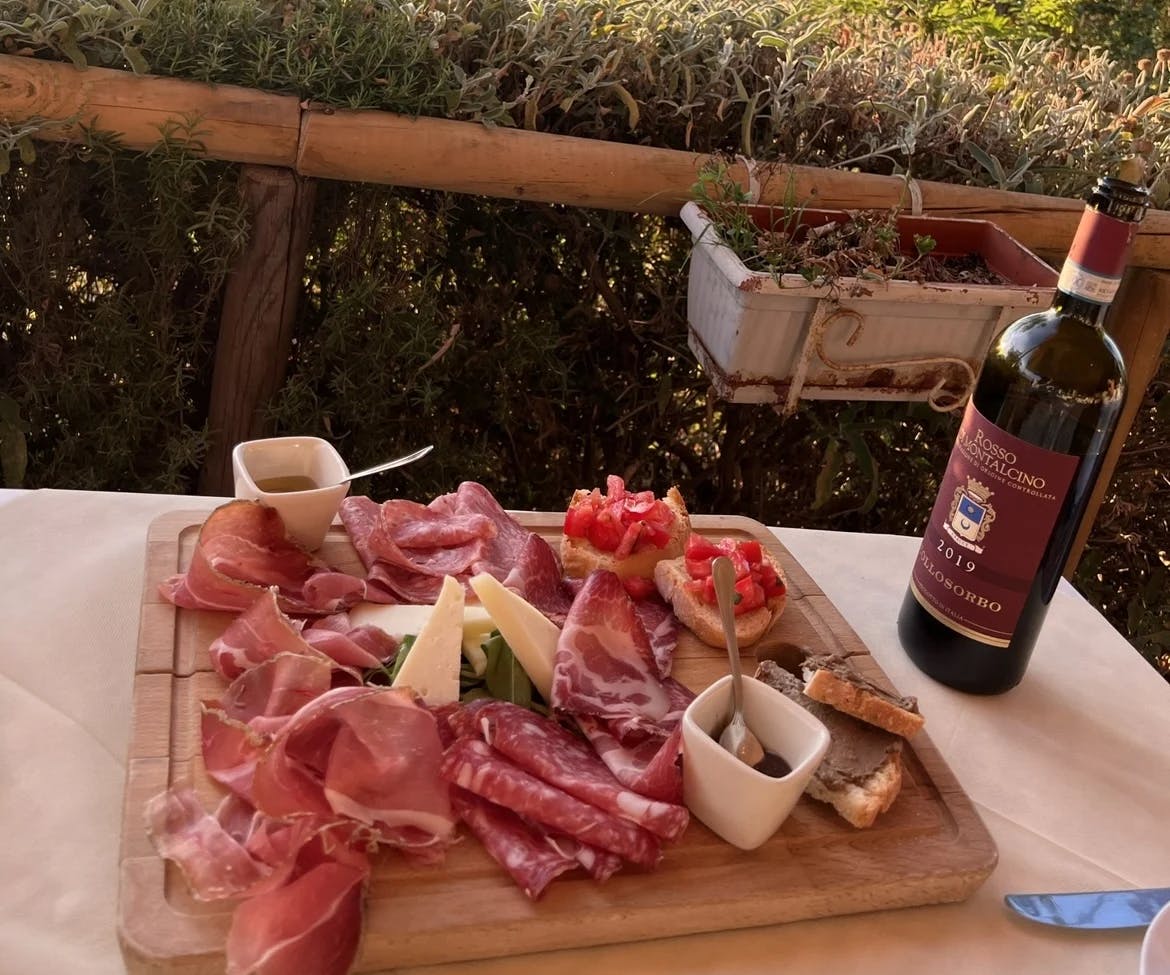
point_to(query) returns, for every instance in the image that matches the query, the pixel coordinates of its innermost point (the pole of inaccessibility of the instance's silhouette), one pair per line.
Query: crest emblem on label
(971, 514)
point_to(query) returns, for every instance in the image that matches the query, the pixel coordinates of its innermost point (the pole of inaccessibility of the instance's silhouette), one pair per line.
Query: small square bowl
(258, 465)
(741, 805)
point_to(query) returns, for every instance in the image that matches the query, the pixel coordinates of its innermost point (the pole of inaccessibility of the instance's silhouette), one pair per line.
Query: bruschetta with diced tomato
(760, 589)
(627, 532)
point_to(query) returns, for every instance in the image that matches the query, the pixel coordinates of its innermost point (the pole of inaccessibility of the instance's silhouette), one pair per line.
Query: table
(1070, 771)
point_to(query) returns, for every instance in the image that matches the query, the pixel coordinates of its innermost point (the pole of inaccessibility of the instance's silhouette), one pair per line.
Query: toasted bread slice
(702, 619)
(579, 557)
(861, 774)
(831, 680)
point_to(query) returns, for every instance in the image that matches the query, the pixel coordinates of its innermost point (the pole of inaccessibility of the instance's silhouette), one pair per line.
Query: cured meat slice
(231, 751)
(312, 924)
(218, 854)
(238, 729)
(369, 638)
(242, 549)
(275, 689)
(214, 863)
(604, 666)
(263, 631)
(384, 771)
(661, 626)
(651, 768)
(371, 754)
(599, 864)
(537, 577)
(555, 755)
(408, 548)
(475, 766)
(521, 849)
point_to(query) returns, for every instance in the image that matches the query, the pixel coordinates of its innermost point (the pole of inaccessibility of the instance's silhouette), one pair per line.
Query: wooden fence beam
(1139, 322)
(238, 124)
(231, 123)
(260, 300)
(465, 157)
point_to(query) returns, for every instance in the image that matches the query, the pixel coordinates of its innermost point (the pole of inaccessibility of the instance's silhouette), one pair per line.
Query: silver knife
(1097, 910)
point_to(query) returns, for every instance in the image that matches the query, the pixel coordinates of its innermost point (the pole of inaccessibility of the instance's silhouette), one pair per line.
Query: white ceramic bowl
(741, 805)
(307, 514)
(1155, 958)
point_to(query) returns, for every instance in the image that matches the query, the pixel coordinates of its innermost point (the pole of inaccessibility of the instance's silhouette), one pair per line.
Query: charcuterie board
(930, 847)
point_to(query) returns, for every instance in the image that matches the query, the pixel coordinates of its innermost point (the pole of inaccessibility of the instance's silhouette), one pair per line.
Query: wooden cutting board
(931, 847)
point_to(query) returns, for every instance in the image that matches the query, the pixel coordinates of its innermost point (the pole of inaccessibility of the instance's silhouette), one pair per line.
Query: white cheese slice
(408, 619)
(431, 667)
(531, 635)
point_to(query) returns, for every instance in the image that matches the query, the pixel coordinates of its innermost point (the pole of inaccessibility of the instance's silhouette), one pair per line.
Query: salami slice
(553, 754)
(475, 766)
(531, 860)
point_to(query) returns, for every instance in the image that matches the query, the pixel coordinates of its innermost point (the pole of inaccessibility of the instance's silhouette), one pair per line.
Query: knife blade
(1095, 910)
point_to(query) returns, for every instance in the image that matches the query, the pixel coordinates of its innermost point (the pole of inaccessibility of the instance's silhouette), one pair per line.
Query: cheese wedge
(400, 620)
(431, 667)
(531, 635)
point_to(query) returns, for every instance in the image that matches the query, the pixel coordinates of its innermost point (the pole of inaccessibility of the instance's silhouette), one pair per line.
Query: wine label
(995, 511)
(1096, 259)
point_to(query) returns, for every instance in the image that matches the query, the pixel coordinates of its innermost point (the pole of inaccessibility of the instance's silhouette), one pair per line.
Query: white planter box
(766, 341)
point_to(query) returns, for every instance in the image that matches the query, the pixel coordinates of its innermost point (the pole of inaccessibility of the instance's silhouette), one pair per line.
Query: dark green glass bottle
(1023, 467)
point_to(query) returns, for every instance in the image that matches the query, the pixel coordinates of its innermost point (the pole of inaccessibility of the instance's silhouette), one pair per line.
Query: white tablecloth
(1070, 771)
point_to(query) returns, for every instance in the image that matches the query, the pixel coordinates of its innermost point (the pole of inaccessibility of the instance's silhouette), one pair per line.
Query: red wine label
(991, 523)
(1096, 260)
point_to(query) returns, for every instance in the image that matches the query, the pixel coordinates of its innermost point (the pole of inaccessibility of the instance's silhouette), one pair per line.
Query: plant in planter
(907, 304)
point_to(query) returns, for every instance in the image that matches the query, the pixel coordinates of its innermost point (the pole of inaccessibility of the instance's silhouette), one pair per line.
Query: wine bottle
(1023, 466)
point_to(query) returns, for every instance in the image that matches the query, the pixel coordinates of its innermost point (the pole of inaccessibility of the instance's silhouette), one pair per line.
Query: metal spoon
(386, 465)
(737, 738)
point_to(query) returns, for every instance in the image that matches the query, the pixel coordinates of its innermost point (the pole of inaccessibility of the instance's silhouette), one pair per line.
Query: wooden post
(260, 301)
(1139, 322)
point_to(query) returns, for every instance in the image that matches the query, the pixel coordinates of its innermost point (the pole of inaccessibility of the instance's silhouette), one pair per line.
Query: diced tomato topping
(639, 588)
(620, 522)
(756, 579)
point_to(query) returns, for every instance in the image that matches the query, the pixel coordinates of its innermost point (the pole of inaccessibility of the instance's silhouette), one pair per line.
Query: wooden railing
(284, 144)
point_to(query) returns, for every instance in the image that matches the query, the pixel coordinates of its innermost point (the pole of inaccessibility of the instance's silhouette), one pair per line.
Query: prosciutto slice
(338, 638)
(370, 754)
(515, 844)
(243, 549)
(555, 755)
(475, 766)
(312, 924)
(214, 863)
(238, 729)
(263, 631)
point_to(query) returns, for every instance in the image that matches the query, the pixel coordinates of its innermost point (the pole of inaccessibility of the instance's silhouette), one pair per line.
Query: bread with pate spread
(830, 679)
(861, 774)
